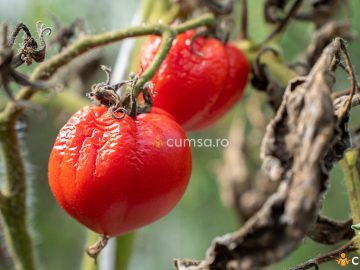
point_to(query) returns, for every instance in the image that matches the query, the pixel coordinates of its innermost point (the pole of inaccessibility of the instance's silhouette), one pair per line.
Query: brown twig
(340, 101)
(244, 20)
(294, 8)
(315, 262)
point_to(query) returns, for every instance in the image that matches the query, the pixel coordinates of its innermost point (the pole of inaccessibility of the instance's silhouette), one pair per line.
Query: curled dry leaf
(306, 137)
(29, 51)
(327, 231)
(323, 36)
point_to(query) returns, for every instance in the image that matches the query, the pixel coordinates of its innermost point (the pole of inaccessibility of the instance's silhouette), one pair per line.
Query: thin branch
(340, 101)
(284, 22)
(345, 92)
(84, 44)
(349, 247)
(244, 20)
(167, 39)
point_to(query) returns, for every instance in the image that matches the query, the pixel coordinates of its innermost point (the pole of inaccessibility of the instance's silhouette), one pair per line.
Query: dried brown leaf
(300, 146)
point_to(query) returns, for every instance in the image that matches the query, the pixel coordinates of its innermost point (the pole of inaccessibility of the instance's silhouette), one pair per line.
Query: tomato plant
(198, 81)
(115, 175)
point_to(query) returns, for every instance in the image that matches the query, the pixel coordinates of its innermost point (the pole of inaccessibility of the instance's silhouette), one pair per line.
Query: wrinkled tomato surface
(115, 176)
(197, 88)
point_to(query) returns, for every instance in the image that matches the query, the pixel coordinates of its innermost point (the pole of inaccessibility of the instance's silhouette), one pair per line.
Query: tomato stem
(46, 69)
(167, 39)
(12, 201)
(13, 196)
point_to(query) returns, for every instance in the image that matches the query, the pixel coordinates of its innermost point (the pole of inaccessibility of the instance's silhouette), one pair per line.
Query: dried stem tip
(94, 250)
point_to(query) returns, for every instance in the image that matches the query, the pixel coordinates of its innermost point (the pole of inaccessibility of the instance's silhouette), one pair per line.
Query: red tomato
(197, 90)
(115, 176)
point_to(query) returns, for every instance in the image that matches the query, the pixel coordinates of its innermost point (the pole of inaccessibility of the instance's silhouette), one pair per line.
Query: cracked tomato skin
(196, 90)
(115, 176)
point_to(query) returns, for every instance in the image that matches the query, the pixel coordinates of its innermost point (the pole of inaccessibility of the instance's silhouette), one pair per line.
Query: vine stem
(84, 44)
(167, 39)
(13, 190)
(13, 203)
(352, 181)
(349, 165)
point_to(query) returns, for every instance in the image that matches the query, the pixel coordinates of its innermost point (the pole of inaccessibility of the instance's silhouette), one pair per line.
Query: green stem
(13, 205)
(167, 39)
(276, 66)
(206, 19)
(352, 181)
(46, 69)
(122, 254)
(168, 36)
(13, 208)
(124, 245)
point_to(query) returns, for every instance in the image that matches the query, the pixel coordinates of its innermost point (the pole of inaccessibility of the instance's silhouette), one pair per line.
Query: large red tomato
(115, 176)
(197, 89)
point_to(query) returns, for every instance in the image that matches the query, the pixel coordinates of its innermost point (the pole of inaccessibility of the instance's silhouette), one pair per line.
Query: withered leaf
(302, 142)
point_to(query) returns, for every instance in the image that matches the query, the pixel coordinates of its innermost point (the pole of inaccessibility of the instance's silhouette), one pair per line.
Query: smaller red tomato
(197, 88)
(115, 176)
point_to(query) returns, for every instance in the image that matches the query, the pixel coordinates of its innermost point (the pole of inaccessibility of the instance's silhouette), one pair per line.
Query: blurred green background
(188, 230)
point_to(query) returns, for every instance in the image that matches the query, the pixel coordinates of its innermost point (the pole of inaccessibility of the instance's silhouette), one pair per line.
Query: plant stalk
(13, 200)
(13, 197)
(84, 44)
(124, 245)
(352, 181)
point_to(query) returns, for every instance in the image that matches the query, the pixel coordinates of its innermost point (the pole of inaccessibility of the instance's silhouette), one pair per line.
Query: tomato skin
(115, 176)
(197, 90)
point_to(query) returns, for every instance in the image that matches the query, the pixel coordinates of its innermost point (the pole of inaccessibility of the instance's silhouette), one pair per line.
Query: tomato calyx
(119, 101)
